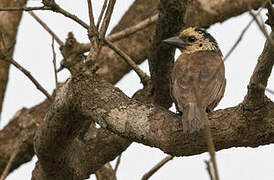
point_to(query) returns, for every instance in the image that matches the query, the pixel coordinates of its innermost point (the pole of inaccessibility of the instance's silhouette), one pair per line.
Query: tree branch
(25, 8)
(144, 123)
(255, 94)
(157, 167)
(9, 29)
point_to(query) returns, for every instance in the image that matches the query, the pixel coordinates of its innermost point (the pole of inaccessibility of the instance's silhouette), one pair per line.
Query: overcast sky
(33, 51)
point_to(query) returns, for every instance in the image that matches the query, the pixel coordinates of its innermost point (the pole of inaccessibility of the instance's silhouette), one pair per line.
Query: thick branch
(19, 135)
(9, 22)
(259, 78)
(157, 127)
(65, 150)
(203, 13)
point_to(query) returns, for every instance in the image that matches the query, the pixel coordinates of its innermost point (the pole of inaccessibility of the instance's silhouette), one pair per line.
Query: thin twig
(54, 63)
(101, 14)
(266, 89)
(126, 32)
(4, 57)
(238, 40)
(208, 168)
(157, 167)
(106, 20)
(56, 8)
(28, 74)
(25, 8)
(130, 30)
(261, 28)
(8, 166)
(91, 18)
(270, 91)
(44, 25)
(143, 76)
(240, 37)
(93, 37)
(207, 132)
(117, 163)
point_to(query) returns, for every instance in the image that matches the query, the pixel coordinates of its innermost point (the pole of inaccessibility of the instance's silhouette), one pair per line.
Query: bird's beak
(175, 41)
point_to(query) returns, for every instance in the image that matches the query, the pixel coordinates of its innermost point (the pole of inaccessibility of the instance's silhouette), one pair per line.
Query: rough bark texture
(156, 127)
(14, 129)
(203, 13)
(106, 172)
(9, 22)
(19, 135)
(259, 78)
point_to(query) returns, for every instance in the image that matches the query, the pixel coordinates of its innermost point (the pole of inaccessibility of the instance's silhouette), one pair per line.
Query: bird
(198, 76)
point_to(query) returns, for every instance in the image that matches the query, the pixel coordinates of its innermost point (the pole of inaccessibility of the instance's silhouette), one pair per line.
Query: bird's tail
(191, 118)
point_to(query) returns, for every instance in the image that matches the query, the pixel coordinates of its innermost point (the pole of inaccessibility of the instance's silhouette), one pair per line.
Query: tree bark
(9, 22)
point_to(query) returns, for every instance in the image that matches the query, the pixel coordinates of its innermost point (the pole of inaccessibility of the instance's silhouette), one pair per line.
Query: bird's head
(193, 39)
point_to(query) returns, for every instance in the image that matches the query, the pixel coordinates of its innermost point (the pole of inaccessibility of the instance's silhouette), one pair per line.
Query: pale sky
(33, 51)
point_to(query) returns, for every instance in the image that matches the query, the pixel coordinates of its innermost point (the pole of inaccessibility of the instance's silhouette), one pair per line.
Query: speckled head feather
(207, 35)
(197, 39)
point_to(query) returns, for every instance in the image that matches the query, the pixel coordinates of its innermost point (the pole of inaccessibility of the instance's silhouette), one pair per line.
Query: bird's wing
(200, 66)
(212, 80)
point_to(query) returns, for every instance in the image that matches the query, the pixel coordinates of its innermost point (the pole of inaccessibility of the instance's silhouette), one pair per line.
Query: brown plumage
(195, 67)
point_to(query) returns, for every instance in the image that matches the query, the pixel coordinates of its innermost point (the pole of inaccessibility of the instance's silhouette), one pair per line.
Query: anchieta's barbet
(196, 67)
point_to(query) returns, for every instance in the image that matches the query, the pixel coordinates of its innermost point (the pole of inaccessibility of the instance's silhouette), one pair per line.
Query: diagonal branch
(143, 76)
(101, 14)
(28, 74)
(106, 20)
(157, 167)
(255, 94)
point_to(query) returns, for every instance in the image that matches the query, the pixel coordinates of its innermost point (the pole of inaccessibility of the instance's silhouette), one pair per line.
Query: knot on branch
(73, 55)
(50, 3)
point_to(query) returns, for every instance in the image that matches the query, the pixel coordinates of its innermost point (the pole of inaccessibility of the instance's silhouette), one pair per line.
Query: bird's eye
(191, 39)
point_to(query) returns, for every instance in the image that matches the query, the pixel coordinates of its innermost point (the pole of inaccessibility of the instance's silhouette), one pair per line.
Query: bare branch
(101, 14)
(25, 8)
(105, 173)
(240, 37)
(130, 30)
(28, 74)
(208, 168)
(94, 40)
(45, 26)
(8, 166)
(91, 18)
(255, 94)
(157, 167)
(56, 8)
(143, 76)
(126, 32)
(54, 63)
(106, 20)
(261, 28)
(117, 163)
